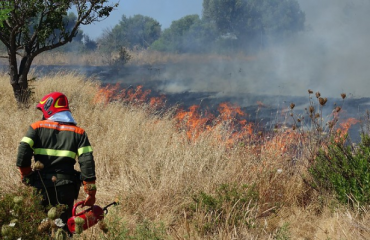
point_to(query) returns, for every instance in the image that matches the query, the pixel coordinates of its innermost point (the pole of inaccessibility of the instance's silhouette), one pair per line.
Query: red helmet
(53, 103)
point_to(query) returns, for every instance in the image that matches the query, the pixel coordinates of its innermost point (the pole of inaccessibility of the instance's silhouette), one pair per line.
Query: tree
(32, 27)
(77, 44)
(250, 20)
(89, 43)
(188, 34)
(137, 31)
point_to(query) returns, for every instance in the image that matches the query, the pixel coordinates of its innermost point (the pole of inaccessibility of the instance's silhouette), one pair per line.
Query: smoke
(330, 56)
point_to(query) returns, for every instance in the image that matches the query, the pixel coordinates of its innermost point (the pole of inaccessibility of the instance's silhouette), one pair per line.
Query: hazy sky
(164, 11)
(331, 55)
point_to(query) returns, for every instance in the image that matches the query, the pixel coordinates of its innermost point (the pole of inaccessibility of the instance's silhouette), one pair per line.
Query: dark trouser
(64, 195)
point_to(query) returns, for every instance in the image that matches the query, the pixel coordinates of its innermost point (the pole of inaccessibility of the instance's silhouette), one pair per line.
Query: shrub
(20, 215)
(117, 229)
(123, 57)
(344, 169)
(231, 206)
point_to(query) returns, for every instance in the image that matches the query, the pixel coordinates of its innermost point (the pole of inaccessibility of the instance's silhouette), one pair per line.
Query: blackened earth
(263, 109)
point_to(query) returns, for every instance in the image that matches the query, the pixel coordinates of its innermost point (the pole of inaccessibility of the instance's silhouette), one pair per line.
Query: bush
(20, 215)
(123, 57)
(344, 169)
(116, 229)
(231, 206)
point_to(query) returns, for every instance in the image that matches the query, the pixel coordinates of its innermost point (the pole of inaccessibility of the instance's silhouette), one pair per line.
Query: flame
(135, 96)
(106, 94)
(230, 120)
(157, 102)
(344, 127)
(192, 121)
(285, 142)
(228, 111)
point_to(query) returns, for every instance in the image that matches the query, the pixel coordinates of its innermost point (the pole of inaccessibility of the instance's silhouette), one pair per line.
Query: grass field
(175, 182)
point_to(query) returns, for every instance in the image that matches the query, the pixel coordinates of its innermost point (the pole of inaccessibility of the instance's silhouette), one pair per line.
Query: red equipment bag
(91, 216)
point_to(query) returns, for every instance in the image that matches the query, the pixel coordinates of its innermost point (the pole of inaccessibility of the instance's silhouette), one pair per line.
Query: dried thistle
(322, 101)
(331, 124)
(292, 105)
(343, 95)
(53, 213)
(61, 235)
(310, 91)
(78, 229)
(79, 221)
(337, 109)
(317, 115)
(298, 120)
(294, 127)
(311, 109)
(38, 166)
(54, 179)
(317, 94)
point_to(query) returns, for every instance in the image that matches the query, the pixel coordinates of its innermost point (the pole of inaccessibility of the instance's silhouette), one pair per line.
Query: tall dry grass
(138, 58)
(144, 161)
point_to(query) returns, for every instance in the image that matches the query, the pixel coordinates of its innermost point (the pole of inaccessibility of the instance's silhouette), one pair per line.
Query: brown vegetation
(138, 57)
(149, 163)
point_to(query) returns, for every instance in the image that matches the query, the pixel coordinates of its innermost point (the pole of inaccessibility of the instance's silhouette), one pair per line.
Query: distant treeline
(229, 26)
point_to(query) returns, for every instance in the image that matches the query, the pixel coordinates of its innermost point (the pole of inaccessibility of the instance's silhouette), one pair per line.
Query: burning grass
(186, 174)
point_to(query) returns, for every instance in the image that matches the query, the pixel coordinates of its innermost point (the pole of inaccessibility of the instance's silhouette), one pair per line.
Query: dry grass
(143, 160)
(138, 58)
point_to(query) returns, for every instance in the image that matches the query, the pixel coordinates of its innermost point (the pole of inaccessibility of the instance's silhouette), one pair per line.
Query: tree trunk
(18, 79)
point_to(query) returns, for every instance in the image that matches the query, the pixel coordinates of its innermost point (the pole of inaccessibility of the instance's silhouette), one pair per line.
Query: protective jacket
(56, 145)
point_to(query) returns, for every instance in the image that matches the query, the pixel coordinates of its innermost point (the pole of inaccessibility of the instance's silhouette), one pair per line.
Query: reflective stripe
(84, 150)
(58, 127)
(52, 152)
(55, 125)
(28, 140)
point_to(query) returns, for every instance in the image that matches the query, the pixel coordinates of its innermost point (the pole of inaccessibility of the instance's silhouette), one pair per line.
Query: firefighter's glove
(25, 171)
(90, 190)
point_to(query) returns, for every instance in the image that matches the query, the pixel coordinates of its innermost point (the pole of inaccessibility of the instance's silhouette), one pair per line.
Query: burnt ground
(266, 110)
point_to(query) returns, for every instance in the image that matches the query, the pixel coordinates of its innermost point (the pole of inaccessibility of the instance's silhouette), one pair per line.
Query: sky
(164, 11)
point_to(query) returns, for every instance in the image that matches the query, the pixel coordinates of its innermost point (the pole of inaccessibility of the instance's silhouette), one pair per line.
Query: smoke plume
(330, 56)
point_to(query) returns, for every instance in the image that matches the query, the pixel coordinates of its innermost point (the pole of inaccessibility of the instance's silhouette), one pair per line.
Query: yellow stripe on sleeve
(28, 140)
(83, 150)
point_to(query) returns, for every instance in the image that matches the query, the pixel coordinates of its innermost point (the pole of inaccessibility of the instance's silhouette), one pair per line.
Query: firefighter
(55, 142)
